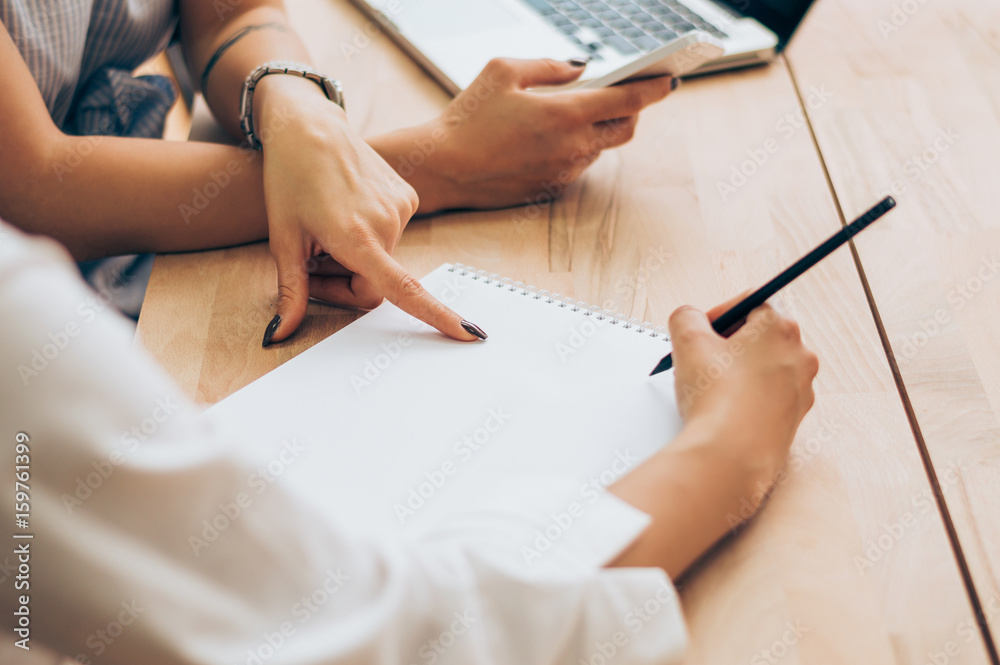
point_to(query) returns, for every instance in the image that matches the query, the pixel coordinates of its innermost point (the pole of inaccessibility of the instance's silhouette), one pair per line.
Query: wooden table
(884, 541)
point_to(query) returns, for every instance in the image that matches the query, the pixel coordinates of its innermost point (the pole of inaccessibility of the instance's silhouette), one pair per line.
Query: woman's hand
(499, 143)
(751, 390)
(742, 400)
(327, 192)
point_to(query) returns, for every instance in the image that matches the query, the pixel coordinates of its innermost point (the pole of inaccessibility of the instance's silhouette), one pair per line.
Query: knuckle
(408, 286)
(409, 201)
(789, 329)
(663, 86)
(810, 398)
(554, 66)
(681, 312)
(759, 319)
(680, 329)
(365, 295)
(357, 231)
(360, 235)
(503, 67)
(572, 175)
(287, 294)
(584, 148)
(686, 336)
(812, 364)
(627, 131)
(566, 113)
(369, 301)
(634, 100)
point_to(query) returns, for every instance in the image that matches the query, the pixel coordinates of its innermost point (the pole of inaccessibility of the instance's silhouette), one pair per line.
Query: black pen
(731, 321)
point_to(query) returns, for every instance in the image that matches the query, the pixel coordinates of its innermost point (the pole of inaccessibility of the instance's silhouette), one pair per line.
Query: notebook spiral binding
(595, 311)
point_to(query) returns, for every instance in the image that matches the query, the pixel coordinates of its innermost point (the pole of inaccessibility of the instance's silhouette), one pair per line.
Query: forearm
(102, 196)
(270, 37)
(691, 490)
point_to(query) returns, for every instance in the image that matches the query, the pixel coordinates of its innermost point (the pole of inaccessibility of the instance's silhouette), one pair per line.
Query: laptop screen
(781, 16)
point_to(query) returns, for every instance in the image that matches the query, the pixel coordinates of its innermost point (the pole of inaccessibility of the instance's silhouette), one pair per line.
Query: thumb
(691, 333)
(533, 73)
(293, 291)
(722, 308)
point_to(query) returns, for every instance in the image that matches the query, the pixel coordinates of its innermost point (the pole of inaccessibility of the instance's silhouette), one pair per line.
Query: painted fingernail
(473, 329)
(271, 328)
(674, 82)
(580, 61)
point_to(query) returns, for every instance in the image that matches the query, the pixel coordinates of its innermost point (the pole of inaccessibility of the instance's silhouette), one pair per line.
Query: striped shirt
(81, 54)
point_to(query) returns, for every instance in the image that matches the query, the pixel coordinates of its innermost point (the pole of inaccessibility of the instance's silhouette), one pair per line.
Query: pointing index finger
(404, 291)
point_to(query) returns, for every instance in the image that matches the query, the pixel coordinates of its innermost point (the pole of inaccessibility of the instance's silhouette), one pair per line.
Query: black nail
(271, 328)
(580, 61)
(674, 82)
(473, 329)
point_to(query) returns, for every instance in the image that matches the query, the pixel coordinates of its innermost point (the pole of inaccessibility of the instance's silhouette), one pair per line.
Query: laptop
(454, 39)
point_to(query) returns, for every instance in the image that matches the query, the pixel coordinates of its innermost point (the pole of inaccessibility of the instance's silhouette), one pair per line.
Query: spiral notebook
(388, 425)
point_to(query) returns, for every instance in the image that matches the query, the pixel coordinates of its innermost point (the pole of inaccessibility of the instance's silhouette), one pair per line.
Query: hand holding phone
(675, 58)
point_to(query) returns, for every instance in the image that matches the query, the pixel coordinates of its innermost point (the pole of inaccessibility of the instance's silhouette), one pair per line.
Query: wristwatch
(332, 89)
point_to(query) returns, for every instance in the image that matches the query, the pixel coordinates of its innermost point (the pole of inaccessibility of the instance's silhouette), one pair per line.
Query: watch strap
(331, 88)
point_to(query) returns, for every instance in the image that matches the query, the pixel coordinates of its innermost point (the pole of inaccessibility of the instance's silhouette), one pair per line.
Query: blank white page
(388, 407)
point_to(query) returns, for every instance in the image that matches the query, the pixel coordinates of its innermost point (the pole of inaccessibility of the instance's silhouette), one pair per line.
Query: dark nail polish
(579, 61)
(271, 328)
(674, 82)
(473, 329)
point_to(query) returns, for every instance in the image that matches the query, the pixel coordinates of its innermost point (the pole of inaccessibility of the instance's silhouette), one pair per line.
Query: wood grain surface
(917, 114)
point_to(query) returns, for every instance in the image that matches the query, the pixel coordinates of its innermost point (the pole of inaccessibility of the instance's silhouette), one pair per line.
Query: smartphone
(675, 58)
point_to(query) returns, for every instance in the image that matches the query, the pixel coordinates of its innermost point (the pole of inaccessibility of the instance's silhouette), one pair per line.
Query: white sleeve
(126, 477)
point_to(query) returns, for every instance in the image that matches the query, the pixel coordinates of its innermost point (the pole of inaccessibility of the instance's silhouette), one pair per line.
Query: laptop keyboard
(627, 26)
